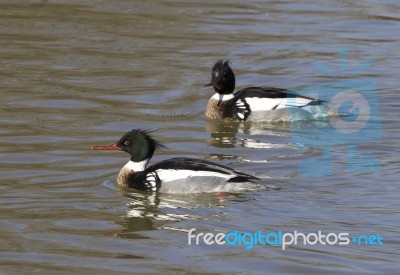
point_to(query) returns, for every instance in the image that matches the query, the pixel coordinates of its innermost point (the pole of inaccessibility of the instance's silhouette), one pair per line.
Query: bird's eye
(126, 142)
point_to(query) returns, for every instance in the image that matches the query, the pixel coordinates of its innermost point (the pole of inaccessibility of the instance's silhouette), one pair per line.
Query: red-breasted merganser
(258, 103)
(176, 175)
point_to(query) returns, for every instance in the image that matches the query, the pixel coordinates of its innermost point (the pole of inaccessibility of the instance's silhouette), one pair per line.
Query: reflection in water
(224, 133)
(146, 211)
(149, 203)
(158, 208)
(174, 212)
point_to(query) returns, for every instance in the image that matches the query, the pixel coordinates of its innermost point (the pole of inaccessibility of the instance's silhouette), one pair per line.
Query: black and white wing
(237, 109)
(185, 168)
(145, 181)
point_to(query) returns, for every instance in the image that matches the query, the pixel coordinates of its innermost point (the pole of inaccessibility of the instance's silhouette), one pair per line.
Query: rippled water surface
(79, 73)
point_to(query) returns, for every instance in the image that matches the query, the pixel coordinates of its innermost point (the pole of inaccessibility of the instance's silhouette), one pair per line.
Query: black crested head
(222, 78)
(139, 144)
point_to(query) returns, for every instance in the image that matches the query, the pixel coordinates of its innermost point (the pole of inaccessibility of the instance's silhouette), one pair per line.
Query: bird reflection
(224, 134)
(149, 211)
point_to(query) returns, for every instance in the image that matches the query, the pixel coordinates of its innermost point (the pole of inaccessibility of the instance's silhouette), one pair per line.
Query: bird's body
(258, 103)
(176, 175)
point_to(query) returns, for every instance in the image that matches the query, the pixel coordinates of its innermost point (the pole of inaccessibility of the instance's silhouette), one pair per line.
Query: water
(75, 74)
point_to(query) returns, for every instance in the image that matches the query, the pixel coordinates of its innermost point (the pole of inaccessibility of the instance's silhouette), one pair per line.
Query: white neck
(220, 97)
(136, 166)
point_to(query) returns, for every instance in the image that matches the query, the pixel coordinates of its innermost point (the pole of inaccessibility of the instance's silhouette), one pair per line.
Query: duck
(175, 175)
(258, 103)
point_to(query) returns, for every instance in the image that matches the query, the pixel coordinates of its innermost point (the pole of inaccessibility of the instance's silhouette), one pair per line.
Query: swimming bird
(258, 103)
(176, 175)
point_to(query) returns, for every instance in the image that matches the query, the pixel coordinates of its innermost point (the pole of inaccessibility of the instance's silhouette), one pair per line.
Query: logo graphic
(348, 119)
(280, 239)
